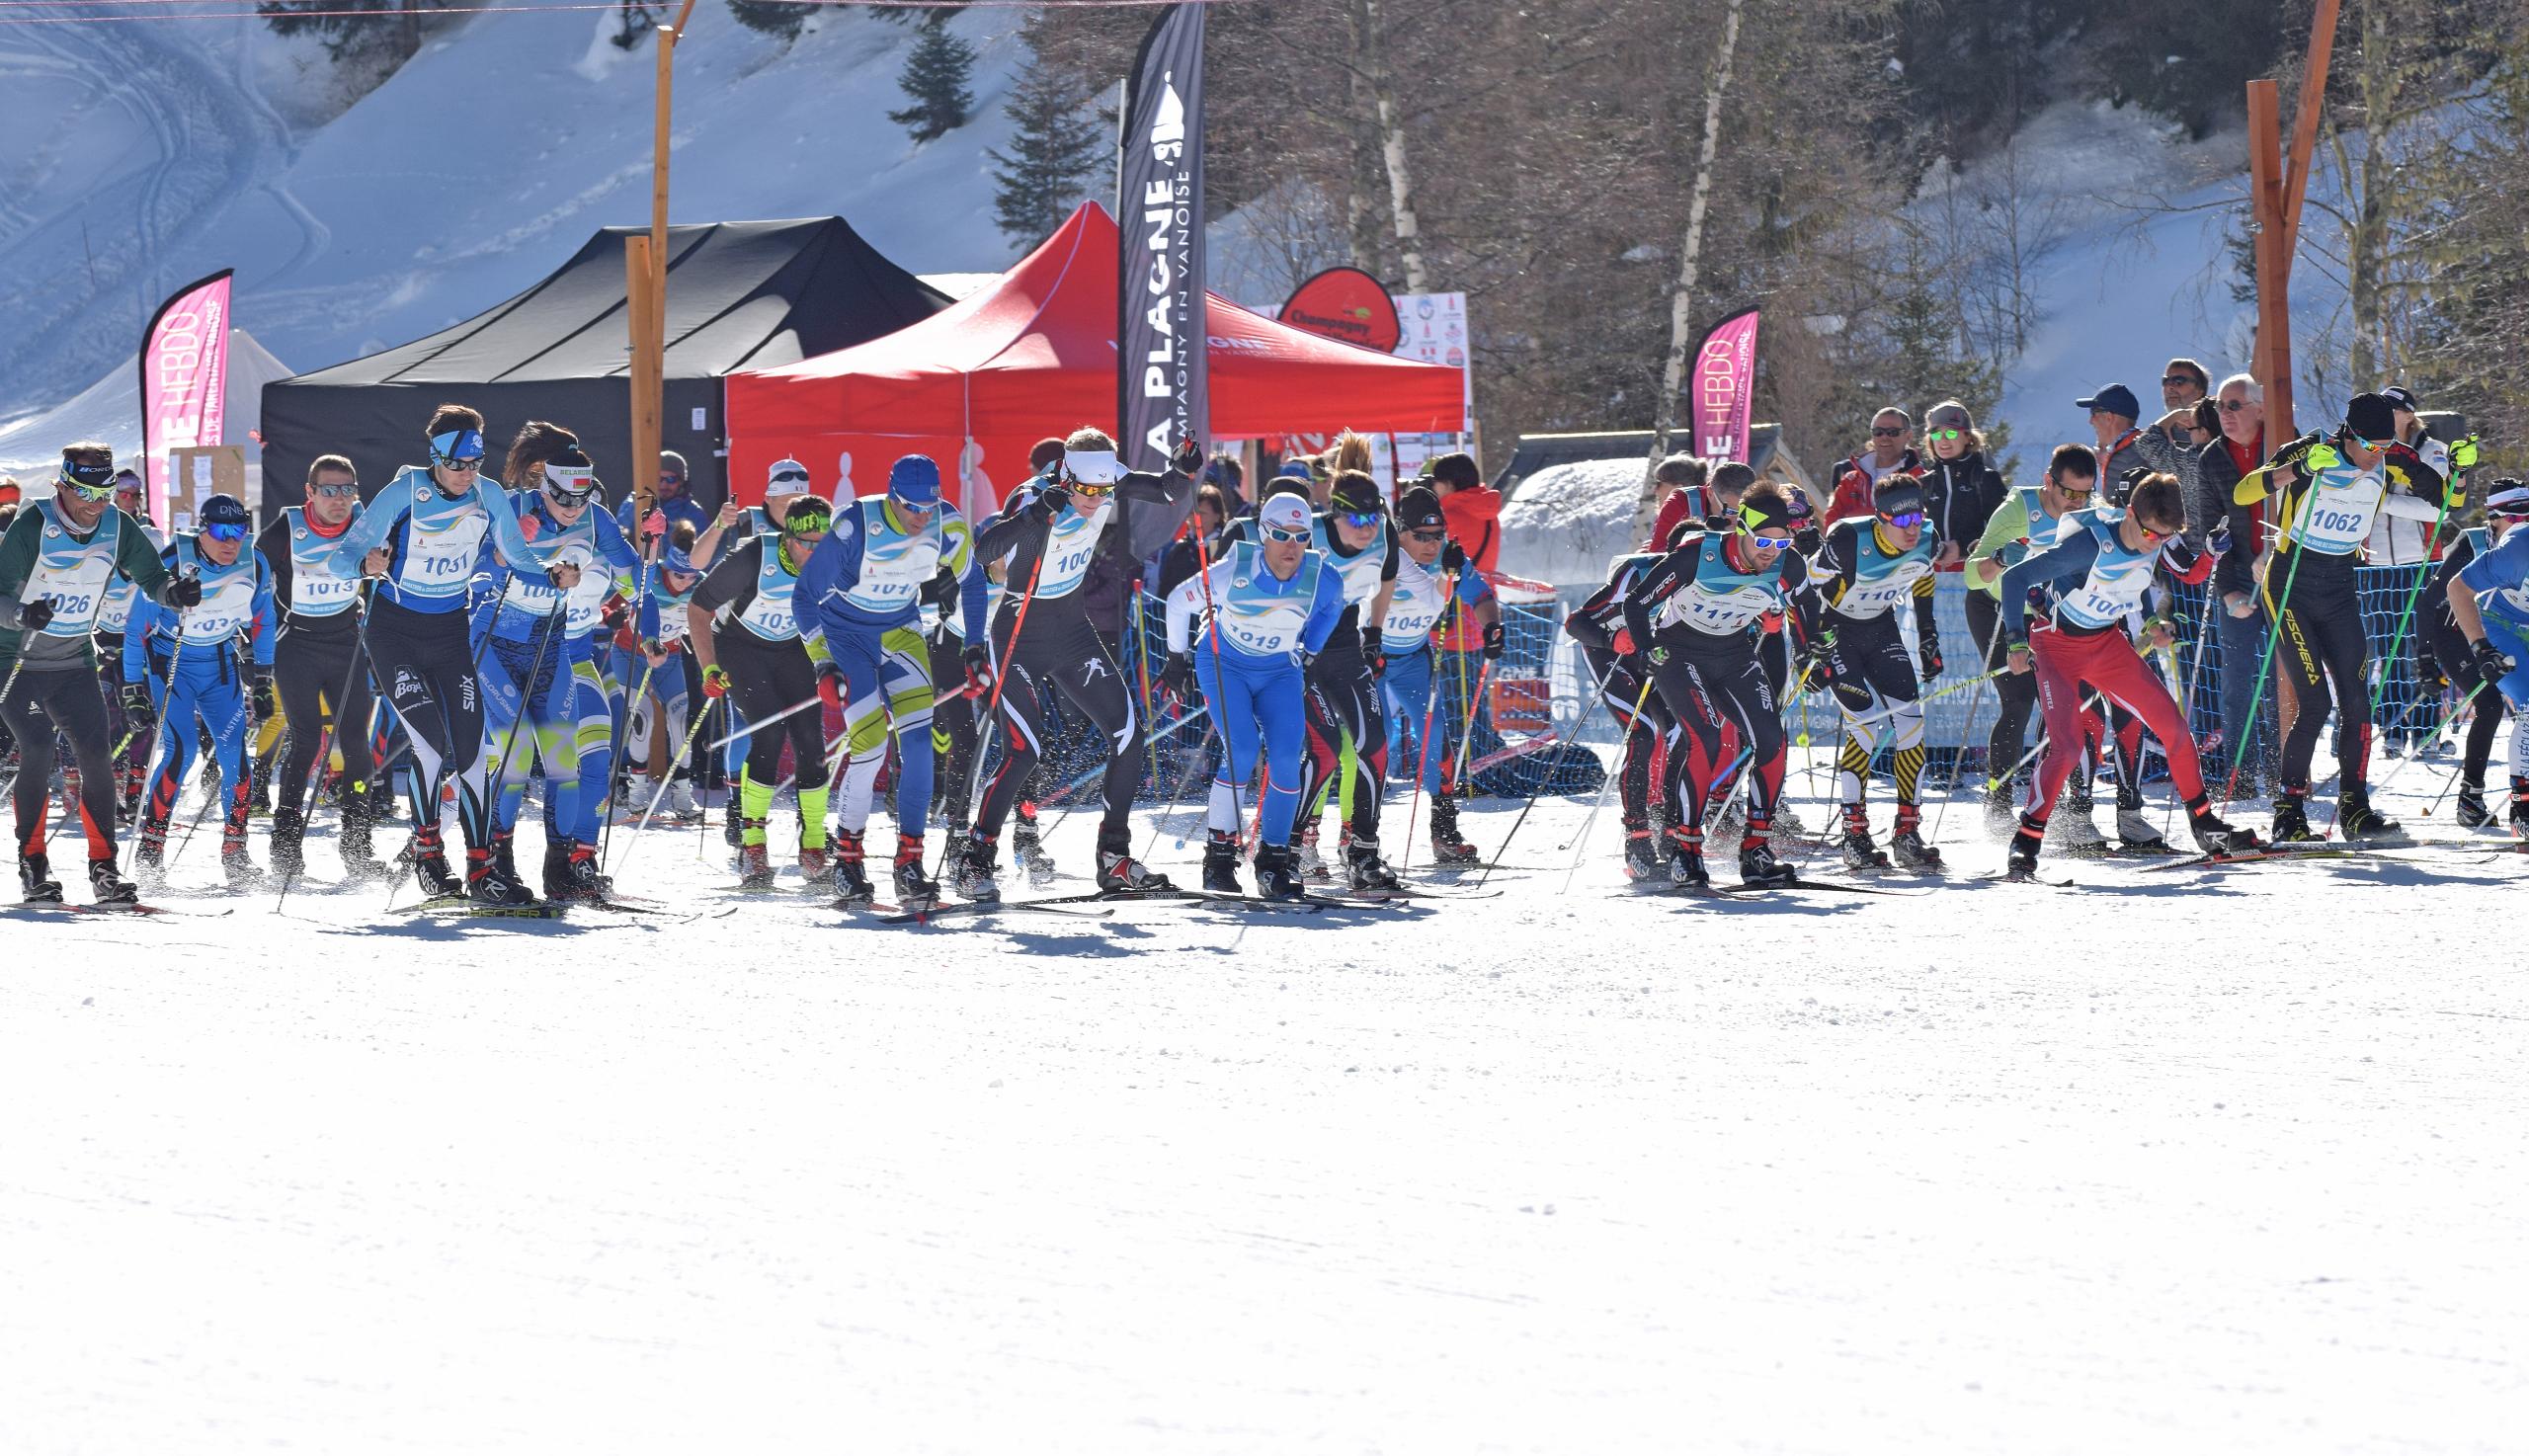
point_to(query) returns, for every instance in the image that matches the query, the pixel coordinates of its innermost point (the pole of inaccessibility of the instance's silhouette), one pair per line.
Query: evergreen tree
(771, 16)
(347, 28)
(1055, 153)
(934, 76)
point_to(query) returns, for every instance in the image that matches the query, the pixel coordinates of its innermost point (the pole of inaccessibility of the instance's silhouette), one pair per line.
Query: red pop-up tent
(976, 384)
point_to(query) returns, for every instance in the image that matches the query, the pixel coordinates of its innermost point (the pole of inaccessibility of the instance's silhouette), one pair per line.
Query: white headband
(1092, 467)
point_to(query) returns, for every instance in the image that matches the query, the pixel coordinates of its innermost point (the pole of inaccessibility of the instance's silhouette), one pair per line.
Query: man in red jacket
(1473, 511)
(1890, 450)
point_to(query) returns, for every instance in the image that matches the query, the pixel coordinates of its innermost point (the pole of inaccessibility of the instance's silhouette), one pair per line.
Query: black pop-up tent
(740, 295)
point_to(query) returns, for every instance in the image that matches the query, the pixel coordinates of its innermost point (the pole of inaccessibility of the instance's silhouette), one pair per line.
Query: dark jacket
(2217, 476)
(1960, 496)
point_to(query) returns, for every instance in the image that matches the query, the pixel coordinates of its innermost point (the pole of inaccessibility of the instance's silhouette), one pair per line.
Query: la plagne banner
(1721, 387)
(1159, 205)
(184, 379)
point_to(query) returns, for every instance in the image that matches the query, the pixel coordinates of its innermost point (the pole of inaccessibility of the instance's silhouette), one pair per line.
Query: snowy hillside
(474, 170)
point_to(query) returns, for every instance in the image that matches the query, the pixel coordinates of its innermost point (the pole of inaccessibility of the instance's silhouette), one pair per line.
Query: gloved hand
(615, 614)
(941, 591)
(2462, 453)
(1177, 675)
(1452, 556)
(1495, 639)
(2219, 542)
(185, 590)
(1374, 649)
(34, 616)
(978, 659)
(2492, 663)
(829, 686)
(1929, 656)
(262, 684)
(1817, 664)
(138, 707)
(1186, 458)
(1623, 642)
(716, 680)
(1048, 504)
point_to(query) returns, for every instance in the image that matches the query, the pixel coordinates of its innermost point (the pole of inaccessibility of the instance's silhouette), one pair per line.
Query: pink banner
(184, 379)
(1722, 387)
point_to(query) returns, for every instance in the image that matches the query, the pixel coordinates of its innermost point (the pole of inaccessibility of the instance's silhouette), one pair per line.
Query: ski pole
(1560, 754)
(661, 791)
(2275, 607)
(1466, 734)
(500, 775)
(306, 789)
(984, 726)
(1422, 764)
(752, 724)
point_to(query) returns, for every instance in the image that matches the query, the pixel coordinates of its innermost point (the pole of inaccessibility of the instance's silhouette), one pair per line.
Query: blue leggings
(206, 686)
(531, 721)
(1252, 699)
(1407, 687)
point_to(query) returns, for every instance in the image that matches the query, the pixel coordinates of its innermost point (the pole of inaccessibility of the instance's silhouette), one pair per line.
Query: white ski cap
(1283, 513)
(785, 478)
(1092, 467)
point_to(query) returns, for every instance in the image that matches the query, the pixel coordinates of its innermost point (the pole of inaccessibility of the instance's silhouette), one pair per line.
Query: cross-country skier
(1271, 606)
(2488, 600)
(2101, 568)
(2505, 509)
(1868, 566)
(1697, 616)
(784, 481)
(2332, 491)
(421, 536)
(57, 562)
(659, 656)
(1434, 577)
(860, 594)
(743, 630)
(1357, 542)
(2026, 520)
(181, 664)
(1623, 674)
(132, 763)
(319, 667)
(1047, 543)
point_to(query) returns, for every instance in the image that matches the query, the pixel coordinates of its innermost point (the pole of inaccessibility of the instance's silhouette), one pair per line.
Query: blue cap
(915, 481)
(1293, 469)
(225, 511)
(674, 559)
(2115, 399)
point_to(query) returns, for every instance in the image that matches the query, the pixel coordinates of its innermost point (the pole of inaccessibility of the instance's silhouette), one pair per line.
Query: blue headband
(457, 444)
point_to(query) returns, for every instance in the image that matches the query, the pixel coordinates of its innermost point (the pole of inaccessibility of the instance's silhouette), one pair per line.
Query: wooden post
(2305, 121)
(2273, 361)
(646, 285)
(637, 277)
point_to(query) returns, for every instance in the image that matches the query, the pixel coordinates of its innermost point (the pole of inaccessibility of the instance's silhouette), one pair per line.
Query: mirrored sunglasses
(1285, 534)
(1770, 542)
(224, 533)
(1905, 520)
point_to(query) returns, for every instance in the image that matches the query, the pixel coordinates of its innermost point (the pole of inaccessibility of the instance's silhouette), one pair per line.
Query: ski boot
(2134, 828)
(107, 886)
(1367, 870)
(972, 871)
(1685, 860)
(36, 883)
(817, 864)
(915, 890)
(2519, 816)
(2355, 818)
(557, 870)
(2022, 864)
(1278, 873)
(149, 855)
(1220, 862)
(1449, 847)
(2471, 811)
(1758, 870)
(359, 858)
(505, 856)
(290, 842)
(755, 867)
(580, 879)
(1787, 828)
(850, 874)
(678, 801)
(2214, 836)
(241, 872)
(1641, 855)
(1305, 861)
(1860, 854)
(492, 879)
(1119, 871)
(2001, 816)
(2073, 830)
(2291, 819)
(431, 872)
(733, 824)
(1905, 840)
(1027, 847)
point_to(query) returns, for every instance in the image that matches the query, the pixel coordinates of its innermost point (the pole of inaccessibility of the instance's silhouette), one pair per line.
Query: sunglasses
(2234, 406)
(1285, 534)
(1428, 537)
(563, 496)
(1905, 520)
(1878, 432)
(224, 533)
(336, 491)
(1944, 437)
(2370, 445)
(2078, 493)
(787, 477)
(460, 466)
(2182, 379)
(1770, 542)
(1094, 490)
(1359, 519)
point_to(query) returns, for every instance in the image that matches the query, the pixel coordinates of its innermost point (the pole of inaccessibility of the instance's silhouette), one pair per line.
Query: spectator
(1473, 511)
(1187, 558)
(2417, 464)
(2124, 446)
(1680, 481)
(1730, 486)
(1225, 473)
(2242, 621)
(10, 493)
(1891, 448)
(2395, 540)
(2184, 387)
(1960, 490)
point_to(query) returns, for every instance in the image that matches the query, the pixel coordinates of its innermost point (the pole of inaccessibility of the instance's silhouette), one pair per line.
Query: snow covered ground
(2185, 1161)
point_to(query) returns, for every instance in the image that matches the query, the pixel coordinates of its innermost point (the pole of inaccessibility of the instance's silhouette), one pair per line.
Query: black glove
(1494, 641)
(978, 659)
(262, 682)
(1930, 658)
(1374, 648)
(2492, 663)
(1048, 504)
(1177, 675)
(185, 590)
(1186, 458)
(138, 709)
(1817, 664)
(616, 615)
(32, 616)
(943, 589)
(1807, 539)
(1452, 557)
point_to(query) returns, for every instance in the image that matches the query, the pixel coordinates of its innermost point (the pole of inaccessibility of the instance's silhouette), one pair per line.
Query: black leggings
(2450, 649)
(429, 667)
(1643, 732)
(2014, 694)
(309, 668)
(768, 678)
(1343, 699)
(67, 700)
(2323, 647)
(1061, 652)
(952, 725)
(1713, 686)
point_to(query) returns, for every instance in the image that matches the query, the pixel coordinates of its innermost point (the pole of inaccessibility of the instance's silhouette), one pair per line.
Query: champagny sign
(1162, 390)
(184, 379)
(1721, 385)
